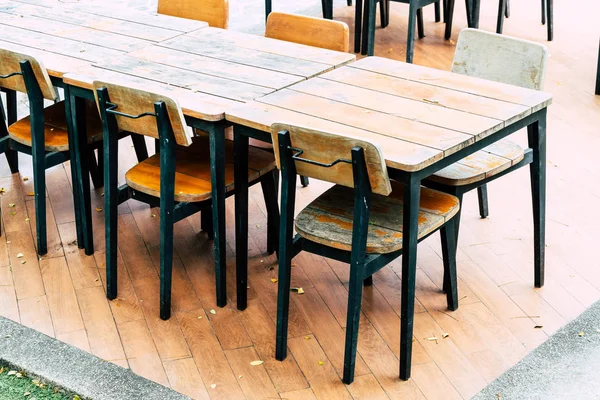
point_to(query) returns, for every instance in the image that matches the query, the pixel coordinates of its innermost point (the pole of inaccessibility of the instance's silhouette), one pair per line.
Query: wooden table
(423, 119)
(208, 70)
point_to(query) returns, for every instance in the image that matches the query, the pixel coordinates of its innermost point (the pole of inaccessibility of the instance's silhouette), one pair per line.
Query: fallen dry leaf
(20, 255)
(25, 179)
(306, 337)
(274, 280)
(214, 385)
(320, 362)
(11, 204)
(23, 261)
(2, 190)
(297, 289)
(212, 311)
(30, 194)
(257, 362)
(445, 335)
(98, 209)
(538, 327)
(581, 334)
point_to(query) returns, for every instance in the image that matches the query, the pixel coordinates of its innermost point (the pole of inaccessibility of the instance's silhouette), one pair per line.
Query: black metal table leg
(217, 174)
(80, 160)
(536, 133)
(550, 14)
(241, 215)
(412, 192)
(358, 16)
(410, 40)
(74, 169)
(12, 156)
(268, 8)
(501, 10)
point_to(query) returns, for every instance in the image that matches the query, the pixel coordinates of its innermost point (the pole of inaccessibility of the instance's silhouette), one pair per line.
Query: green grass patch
(16, 385)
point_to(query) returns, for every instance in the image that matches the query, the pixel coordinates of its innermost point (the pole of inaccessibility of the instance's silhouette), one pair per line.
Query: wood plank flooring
(207, 355)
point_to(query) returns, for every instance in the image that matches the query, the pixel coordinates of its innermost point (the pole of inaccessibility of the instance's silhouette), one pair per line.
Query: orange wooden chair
(215, 12)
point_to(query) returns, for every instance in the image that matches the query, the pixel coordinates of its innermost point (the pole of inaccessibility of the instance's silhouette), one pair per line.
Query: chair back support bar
(215, 12)
(500, 58)
(134, 111)
(316, 32)
(327, 156)
(11, 74)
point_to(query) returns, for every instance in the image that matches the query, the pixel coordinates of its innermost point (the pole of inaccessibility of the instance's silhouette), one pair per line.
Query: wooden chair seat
(481, 165)
(328, 219)
(55, 127)
(192, 171)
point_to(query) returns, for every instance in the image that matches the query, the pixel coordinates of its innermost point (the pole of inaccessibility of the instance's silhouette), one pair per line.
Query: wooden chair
(215, 12)
(316, 32)
(547, 11)
(358, 221)
(44, 134)
(415, 17)
(502, 59)
(177, 178)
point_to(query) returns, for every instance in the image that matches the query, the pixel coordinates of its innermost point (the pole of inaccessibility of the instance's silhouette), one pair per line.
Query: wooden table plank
(184, 78)
(210, 46)
(389, 125)
(67, 47)
(216, 67)
(535, 100)
(274, 46)
(78, 18)
(79, 33)
(428, 113)
(151, 19)
(194, 104)
(399, 154)
(56, 64)
(422, 91)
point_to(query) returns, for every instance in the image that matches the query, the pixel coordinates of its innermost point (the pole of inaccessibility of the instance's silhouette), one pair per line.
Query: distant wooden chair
(357, 221)
(177, 178)
(317, 32)
(215, 12)
(547, 11)
(502, 59)
(44, 134)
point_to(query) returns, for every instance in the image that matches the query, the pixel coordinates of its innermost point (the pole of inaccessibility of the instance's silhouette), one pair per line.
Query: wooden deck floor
(207, 355)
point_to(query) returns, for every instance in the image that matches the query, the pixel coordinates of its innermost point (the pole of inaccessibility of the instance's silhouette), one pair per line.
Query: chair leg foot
(483, 201)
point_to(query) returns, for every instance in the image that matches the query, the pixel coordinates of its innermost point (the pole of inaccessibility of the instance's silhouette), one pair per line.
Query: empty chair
(215, 12)
(177, 178)
(357, 221)
(44, 134)
(502, 59)
(316, 32)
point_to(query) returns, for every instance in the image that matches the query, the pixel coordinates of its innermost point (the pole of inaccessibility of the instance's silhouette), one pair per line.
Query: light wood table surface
(423, 119)
(207, 70)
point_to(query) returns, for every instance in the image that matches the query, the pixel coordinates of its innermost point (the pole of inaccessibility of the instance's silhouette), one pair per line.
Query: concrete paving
(567, 366)
(72, 369)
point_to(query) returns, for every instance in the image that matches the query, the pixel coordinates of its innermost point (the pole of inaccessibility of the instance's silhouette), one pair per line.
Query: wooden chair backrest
(326, 147)
(10, 63)
(215, 12)
(500, 58)
(316, 32)
(132, 101)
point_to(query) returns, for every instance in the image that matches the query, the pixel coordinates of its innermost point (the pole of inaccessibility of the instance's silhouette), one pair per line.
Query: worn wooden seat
(316, 32)
(55, 127)
(328, 219)
(192, 171)
(481, 165)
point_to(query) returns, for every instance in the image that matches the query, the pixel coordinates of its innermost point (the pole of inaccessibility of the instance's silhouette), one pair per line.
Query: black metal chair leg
(268, 8)
(543, 12)
(206, 222)
(438, 13)
(500, 22)
(420, 23)
(95, 173)
(139, 145)
(240, 147)
(447, 233)
(483, 201)
(358, 15)
(327, 6)
(507, 9)
(304, 181)
(12, 156)
(598, 74)
(456, 225)
(39, 188)
(384, 12)
(349, 2)
(270, 196)
(410, 41)
(353, 316)
(550, 14)
(368, 281)
(449, 19)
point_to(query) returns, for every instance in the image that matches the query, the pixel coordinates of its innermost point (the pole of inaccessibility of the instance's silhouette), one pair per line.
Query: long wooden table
(208, 70)
(423, 119)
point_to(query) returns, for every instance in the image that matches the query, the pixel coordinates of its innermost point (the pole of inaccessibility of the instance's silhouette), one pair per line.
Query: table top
(208, 70)
(417, 115)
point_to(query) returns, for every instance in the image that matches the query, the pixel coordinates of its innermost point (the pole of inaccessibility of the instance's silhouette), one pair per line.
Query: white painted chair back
(500, 58)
